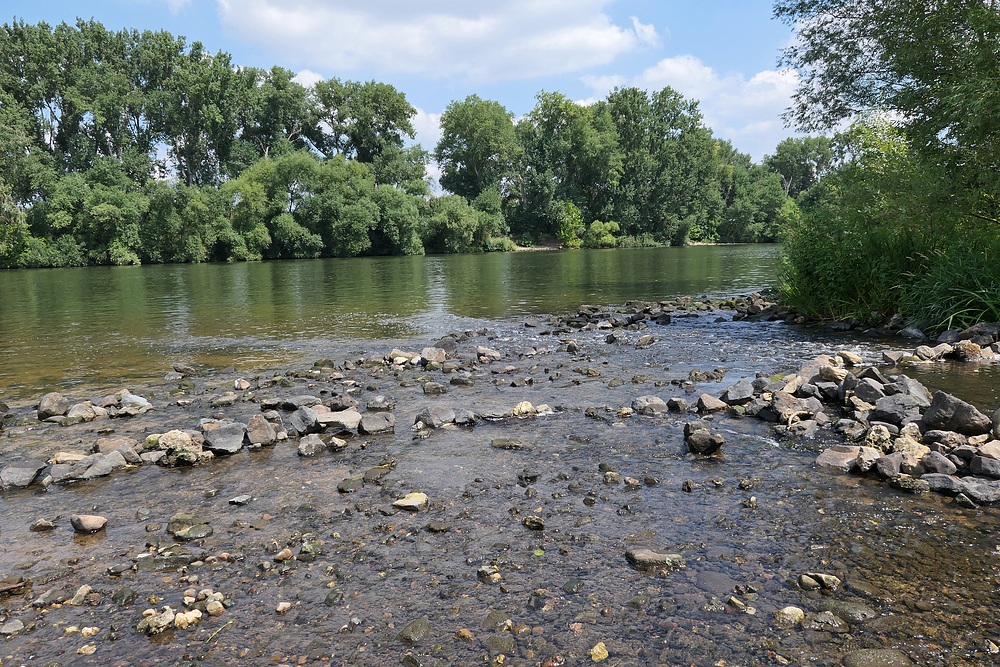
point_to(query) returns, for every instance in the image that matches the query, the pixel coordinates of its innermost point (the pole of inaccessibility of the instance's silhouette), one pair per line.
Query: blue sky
(722, 52)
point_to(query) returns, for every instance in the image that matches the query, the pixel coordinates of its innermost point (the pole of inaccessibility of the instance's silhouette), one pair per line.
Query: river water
(748, 522)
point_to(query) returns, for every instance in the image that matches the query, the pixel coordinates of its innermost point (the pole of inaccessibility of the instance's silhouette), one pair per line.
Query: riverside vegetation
(517, 495)
(121, 147)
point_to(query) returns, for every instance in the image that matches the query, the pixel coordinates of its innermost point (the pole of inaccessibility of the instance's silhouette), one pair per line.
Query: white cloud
(428, 128)
(480, 42)
(308, 78)
(745, 111)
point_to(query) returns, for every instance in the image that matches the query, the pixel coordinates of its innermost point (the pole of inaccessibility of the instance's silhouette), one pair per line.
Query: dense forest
(121, 147)
(908, 218)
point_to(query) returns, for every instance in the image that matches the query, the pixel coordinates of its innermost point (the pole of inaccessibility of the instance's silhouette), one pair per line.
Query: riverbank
(523, 549)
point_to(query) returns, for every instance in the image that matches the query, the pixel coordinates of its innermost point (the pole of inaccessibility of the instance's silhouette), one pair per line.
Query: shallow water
(926, 567)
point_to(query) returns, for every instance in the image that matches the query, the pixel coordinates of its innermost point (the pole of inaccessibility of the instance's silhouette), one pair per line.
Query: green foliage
(801, 162)
(478, 146)
(570, 226)
(601, 234)
(499, 244)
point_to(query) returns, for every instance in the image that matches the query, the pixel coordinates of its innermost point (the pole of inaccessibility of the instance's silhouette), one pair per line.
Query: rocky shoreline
(350, 421)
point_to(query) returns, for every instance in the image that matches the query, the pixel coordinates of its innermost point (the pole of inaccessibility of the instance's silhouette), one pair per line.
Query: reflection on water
(65, 327)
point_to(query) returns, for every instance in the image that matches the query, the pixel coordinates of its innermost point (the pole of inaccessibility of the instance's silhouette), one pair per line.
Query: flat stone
(342, 420)
(227, 439)
(435, 416)
(839, 457)
(311, 445)
(650, 559)
(373, 423)
(20, 475)
(412, 501)
(709, 403)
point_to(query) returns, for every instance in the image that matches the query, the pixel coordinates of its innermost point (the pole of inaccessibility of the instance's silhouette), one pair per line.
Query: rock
(435, 417)
(87, 523)
(839, 457)
(982, 466)
(890, 465)
(700, 440)
(677, 405)
(913, 333)
(739, 393)
(905, 482)
(524, 409)
(937, 462)
(311, 445)
(227, 439)
(100, 465)
(649, 405)
(373, 423)
(260, 432)
(599, 652)
(487, 355)
(898, 409)
(343, 420)
(186, 527)
(789, 617)
(434, 355)
(709, 403)
(867, 459)
(305, 420)
(533, 523)
(11, 627)
(180, 448)
(20, 475)
(948, 413)
(877, 657)
(509, 444)
(154, 623)
(878, 437)
(294, 403)
(416, 630)
(981, 490)
(381, 403)
(944, 483)
(52, 404)
(787, 408)
(825, 621)
(412, 501)
(869, 390)
(434, 389)
(650, 559)
(852, 612)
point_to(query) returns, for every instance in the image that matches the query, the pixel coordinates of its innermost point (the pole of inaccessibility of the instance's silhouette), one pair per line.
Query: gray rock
(343, 420)
(677, 405)
(825, 621)
(434, 389)
(982, 490)
(938, 463)
(305, 420)
(260, 431)
(867, 458)
(996, 423)
(877, 657)
(949, 413)
(227, 439)
(709, 403)
(652, 559)
(869, 390)
(20, 475)
(381, 403)
(649, 405)
(434, 355)
(898, 409)
(373, 423)
(852, 612)
(296, 402)
(311, 445)
(436, 416)
(52, 404)
(101, 466)
(983, 466)
(890, 465)
(944, 483)
(739, 393)
(905, 482)
(913, 333)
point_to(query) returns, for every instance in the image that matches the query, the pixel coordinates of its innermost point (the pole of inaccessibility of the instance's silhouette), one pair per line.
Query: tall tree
(363, 120)
(478, 147)
(801, 162)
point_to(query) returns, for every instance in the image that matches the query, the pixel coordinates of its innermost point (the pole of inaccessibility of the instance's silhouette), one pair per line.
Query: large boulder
(898, 409)
(649, 405)
(948, 413)
(226, 439)
(739, 393)
(377, 422)
(20, 475)
(52, 404)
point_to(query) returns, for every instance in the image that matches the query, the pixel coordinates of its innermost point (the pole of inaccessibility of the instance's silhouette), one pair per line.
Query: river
(920, 573)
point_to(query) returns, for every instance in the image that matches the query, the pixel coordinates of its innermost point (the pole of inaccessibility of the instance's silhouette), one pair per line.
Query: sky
(723, 53)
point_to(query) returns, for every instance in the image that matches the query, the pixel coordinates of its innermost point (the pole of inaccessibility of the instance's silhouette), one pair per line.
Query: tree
(931, 65)
(801, 162)
(363, 120)
(478, 147)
